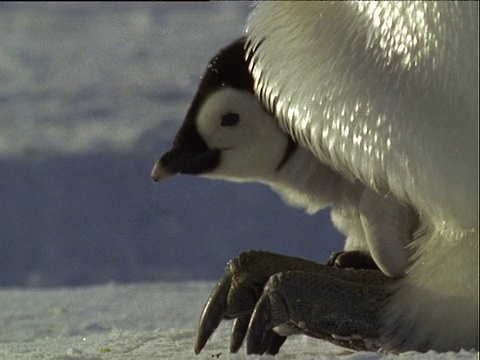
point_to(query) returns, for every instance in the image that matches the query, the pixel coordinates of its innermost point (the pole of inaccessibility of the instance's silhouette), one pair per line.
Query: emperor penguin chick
(228, 134)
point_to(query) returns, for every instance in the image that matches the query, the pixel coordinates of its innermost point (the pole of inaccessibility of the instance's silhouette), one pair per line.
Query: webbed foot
(271, 296)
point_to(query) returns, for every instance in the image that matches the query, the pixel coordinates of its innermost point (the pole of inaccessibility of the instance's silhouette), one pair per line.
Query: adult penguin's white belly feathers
(386, 92)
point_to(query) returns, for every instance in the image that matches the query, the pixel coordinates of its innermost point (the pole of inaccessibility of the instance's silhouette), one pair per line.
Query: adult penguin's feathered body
(387, 93)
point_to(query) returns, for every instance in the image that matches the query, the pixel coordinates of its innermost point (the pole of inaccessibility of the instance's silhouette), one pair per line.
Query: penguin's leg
(272, 296)
(388, 227)
(237, 292)
(337, 309)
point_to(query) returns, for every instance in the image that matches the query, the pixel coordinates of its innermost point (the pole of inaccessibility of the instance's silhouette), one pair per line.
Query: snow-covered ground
(97, 262)
(136, 321)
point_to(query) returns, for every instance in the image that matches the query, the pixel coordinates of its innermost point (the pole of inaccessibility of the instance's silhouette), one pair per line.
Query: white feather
(386, 92)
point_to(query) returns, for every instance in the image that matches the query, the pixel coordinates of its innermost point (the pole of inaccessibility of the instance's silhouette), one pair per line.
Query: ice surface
(137, 321)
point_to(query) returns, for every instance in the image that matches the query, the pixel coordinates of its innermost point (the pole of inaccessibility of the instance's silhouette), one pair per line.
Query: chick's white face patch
(251, 142)
(218, 106)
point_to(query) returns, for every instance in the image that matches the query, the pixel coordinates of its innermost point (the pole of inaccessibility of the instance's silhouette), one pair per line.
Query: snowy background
(96, 261)
(90, 96)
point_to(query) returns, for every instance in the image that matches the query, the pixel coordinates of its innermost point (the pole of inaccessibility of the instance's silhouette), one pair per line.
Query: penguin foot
(352, 259)
(272, 296)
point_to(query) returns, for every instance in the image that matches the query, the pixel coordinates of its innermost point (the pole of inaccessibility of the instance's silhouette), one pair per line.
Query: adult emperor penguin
(381, 98)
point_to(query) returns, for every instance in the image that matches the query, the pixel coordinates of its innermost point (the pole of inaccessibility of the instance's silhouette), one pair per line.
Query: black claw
(239, 330)
(259, 324)
(266, 341)
(271, 343)
(213, 312)
(276, 343)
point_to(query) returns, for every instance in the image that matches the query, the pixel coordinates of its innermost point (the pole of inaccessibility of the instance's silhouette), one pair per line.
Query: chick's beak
(160, 172)
(189, 154)
(185, 162)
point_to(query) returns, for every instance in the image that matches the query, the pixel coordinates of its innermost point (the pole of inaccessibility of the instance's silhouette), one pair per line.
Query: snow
(96, 261)
(136, 321)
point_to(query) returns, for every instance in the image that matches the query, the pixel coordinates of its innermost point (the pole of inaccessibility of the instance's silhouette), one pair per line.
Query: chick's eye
(230, 119)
